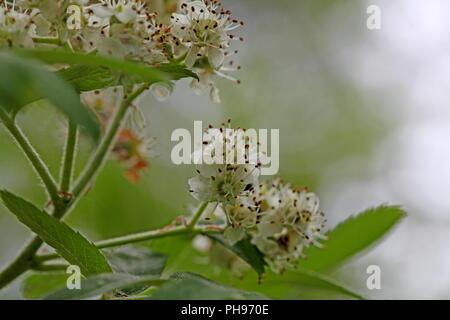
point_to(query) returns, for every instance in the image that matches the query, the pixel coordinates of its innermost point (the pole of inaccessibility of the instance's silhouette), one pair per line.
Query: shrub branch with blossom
(101, 57)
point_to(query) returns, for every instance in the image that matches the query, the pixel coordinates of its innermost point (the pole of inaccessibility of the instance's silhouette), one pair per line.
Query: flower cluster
(224, 175)
(280, 220)
(203, 30)
(198, 34)
(289, 220)
(17, 27)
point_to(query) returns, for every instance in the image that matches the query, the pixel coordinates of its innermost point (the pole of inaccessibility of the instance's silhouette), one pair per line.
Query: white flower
(203, 26)
(241, 218)
(225, 145)
(16, 21)
(222, 183)
(123, 10)
(207, 77)
(229, 176)
(229, 165)
(289, 221)
(125, 29)
(16, 26)
(103, 102)
(206, 83)
(282, 250)
(243, 215)
(198, 35)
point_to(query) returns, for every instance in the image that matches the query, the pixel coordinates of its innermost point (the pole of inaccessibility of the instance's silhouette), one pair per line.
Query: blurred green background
(363, 118)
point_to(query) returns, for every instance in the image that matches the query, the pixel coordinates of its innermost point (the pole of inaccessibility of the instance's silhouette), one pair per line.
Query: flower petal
(216, 57)
(191, 57)
(161, 91)
(102, 12)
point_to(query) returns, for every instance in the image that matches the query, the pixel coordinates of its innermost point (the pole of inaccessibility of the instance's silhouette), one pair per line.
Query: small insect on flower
(132, 152)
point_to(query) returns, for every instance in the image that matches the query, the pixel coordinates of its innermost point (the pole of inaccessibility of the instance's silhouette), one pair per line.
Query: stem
(34, 158)
(50, 267)
(100, 156)
(139, 237)
(69, 157)
(21, 264)
(197, 215)
(47, 40)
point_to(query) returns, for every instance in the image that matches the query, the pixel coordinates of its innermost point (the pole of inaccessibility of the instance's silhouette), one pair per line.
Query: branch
(49, 267)
(38, 164)
(21, 264)
(69, 157)
(140, 237)
(197, 215)
(47, 40)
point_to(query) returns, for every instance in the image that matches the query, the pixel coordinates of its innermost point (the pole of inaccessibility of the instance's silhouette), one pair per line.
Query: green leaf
(188, 286)
(23, 82)
(100, 284)
(38, 285)
(163, 73)
(176, 71)
(351, 237)
(88, 78)
(136, 261)
(245, 250)
(69, 244)
(296, 284)
(314, 280)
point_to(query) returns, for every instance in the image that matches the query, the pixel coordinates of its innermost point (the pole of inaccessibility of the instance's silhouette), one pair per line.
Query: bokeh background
(363, 117)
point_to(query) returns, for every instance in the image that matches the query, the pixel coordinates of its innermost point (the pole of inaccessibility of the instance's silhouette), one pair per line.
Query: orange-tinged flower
(131, 150)
(133, 174)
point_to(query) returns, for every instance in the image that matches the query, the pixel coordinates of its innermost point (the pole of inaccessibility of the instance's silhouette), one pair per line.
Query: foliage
(97, 92)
